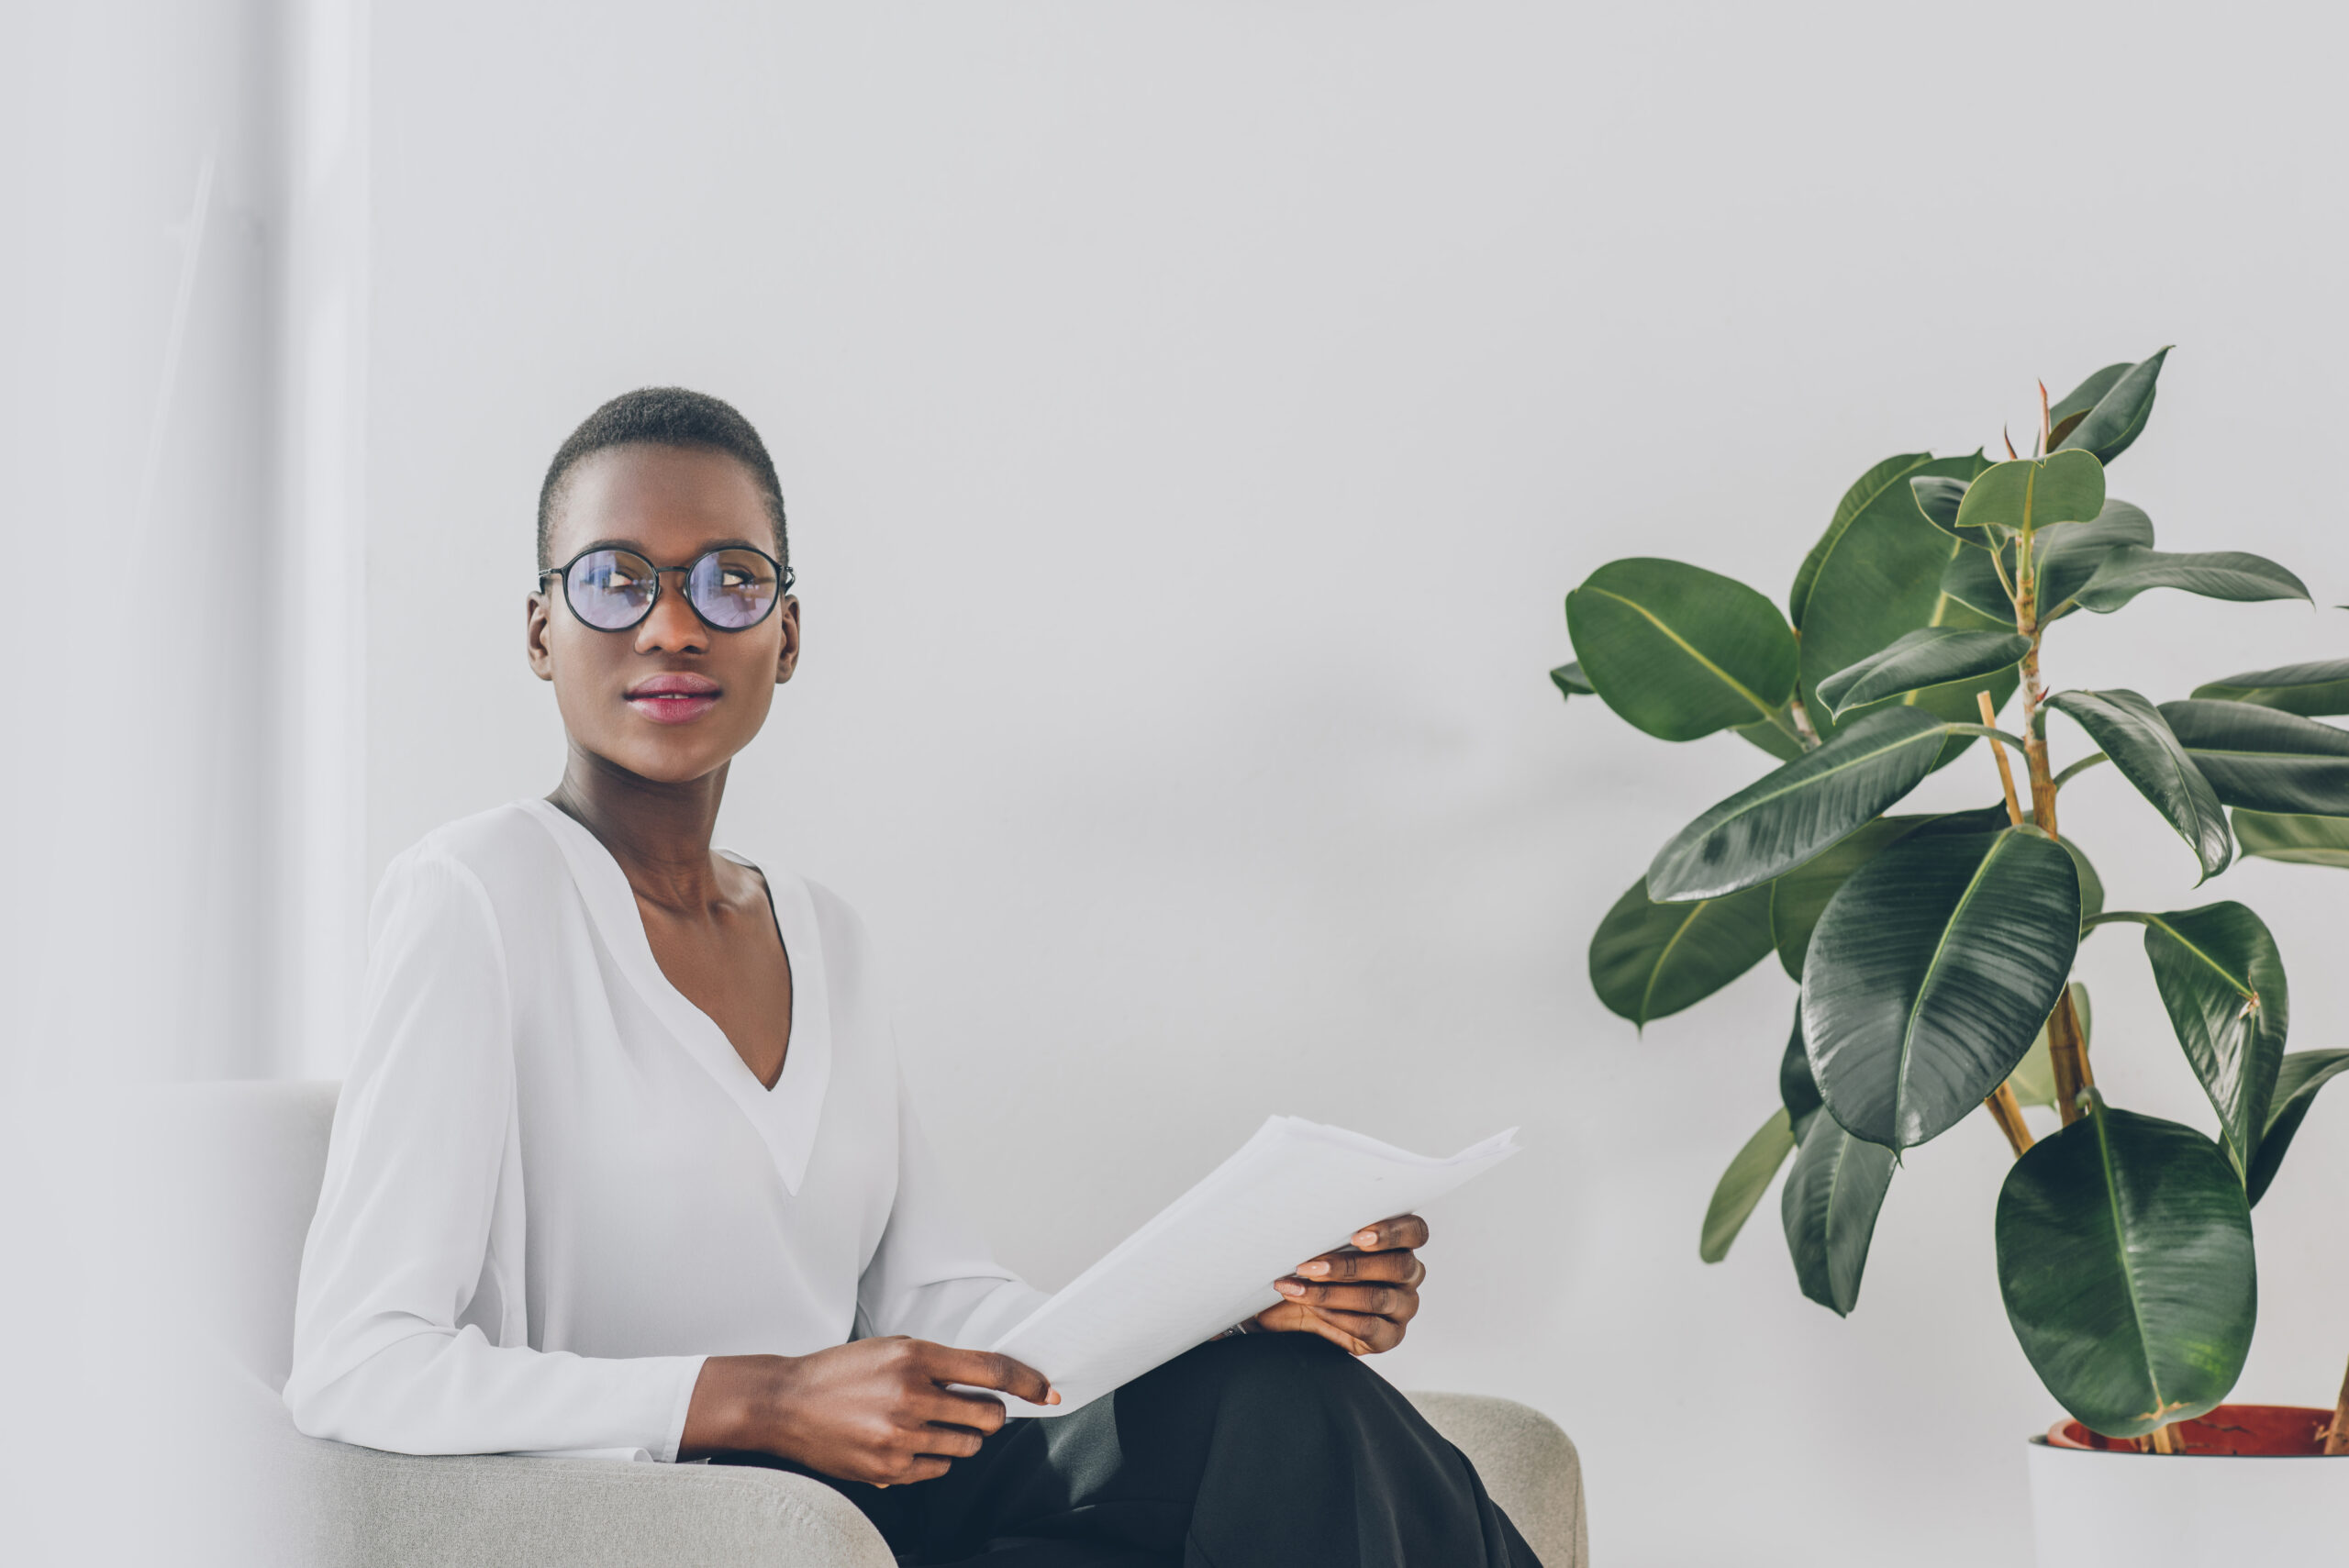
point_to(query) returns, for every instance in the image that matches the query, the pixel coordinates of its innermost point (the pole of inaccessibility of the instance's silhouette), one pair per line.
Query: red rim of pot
(2271, 1431)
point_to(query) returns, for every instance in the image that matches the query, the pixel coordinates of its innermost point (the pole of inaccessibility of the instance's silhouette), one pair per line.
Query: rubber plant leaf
(2022, 497)
(1881, 579)
(2131, 731)
(1571, 682)
(1649, 960)
(2063, 556)
(2222, 980)
(2266, 761)
(1783, 819)
(2215, 574)
(1743, 1184)
(1680, 651)
(2312, 691)
(2125, 1262)
(2301, 841)
(1828, 1208)
(1929, 656)
(1931, 971)
(2033, 1079)
(2297, 1082)
(1885, 479)
(1797, 1091)
(2119, 415)
(1797, 898)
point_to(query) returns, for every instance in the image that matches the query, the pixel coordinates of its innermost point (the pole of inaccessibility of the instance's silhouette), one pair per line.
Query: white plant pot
(2091, 1509)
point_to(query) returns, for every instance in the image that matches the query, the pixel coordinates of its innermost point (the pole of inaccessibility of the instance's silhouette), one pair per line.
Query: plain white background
(1191, 418)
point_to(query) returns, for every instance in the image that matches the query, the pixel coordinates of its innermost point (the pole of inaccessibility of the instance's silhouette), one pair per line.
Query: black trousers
(1268, 1451)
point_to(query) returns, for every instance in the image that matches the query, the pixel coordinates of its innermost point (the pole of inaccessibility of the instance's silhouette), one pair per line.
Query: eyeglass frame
(784, 581)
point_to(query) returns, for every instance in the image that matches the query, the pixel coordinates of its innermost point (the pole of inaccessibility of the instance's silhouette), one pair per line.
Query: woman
(626, 1163)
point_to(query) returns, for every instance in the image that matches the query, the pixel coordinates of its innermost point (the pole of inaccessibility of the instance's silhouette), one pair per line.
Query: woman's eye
(734, 577)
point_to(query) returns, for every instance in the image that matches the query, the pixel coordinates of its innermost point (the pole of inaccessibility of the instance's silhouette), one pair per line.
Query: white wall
(1191, 417)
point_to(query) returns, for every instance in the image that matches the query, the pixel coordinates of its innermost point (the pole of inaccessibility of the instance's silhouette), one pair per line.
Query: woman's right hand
(873, 1410)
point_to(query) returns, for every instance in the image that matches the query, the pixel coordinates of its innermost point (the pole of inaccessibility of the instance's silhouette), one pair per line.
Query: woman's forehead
(666, 498)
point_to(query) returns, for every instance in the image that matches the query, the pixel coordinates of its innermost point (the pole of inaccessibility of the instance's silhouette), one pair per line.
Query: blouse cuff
(689, 1373)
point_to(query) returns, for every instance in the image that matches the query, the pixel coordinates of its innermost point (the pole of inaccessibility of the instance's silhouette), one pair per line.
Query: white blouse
(554, 1187)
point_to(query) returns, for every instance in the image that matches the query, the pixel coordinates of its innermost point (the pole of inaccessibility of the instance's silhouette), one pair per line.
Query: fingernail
(1053, 1397)
(1362, 1238)
(1317, 1267)
(1289, 1286)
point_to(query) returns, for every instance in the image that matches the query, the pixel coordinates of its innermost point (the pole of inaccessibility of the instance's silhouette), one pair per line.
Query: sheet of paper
(1209, 1260)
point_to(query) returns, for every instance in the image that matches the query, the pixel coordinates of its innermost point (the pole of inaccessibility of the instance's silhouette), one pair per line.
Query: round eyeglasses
(731, 589)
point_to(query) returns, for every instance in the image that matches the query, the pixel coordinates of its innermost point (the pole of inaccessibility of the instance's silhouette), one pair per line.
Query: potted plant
(1934, 953)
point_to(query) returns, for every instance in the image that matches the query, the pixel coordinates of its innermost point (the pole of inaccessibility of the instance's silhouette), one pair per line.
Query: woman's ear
(786, 657)
(537, 610)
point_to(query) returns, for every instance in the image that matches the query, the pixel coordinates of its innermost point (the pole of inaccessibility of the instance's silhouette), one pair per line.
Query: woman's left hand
(1359, 1297)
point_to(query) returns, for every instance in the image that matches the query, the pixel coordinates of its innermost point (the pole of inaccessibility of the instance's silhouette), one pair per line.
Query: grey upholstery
(354, 1508)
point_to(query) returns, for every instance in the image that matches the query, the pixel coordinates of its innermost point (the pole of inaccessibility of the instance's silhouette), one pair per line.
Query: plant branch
(2067, 1051)
(1804, 730)
(2006, 773)
(2007, 1111)
(2083, 765)
(1989, 731)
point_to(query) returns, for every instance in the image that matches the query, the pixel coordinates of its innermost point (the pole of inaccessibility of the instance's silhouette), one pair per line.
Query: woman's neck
(660, 833)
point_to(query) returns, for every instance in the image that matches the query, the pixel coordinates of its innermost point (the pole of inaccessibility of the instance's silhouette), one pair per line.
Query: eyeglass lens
(611, 590)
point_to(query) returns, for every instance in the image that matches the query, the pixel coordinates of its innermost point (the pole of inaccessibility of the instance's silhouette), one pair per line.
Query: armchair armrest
(1529, 1465)
(391, 1510)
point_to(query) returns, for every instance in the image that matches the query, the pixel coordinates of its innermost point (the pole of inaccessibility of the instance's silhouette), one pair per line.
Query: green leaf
(2119, 415)
(1680, 651)
(1866, 492)
(2064, 557)
(1798, 897)
(2027, 495)
(1929, 656)
(1783, 819)
(1797, 1090)
(1743, 1184)
(2303, 840)
(1570, 681)
(1649, 960)
(2033, 1079)
(2132, 732)
(1879, 579)
(1828, 1208)
(2267, 761)
(2302, 1074)
(2125, 1260)
(2086, 395)
(2312, 691)
(1931, 971)
(1777, 736)
(2215, 574)
(2222, 980)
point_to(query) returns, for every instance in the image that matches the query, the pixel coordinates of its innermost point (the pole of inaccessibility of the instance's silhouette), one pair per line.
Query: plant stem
(2336, 1436)
(2008, 1112)
(2163, 1439)
(2006, 773)
(2066, 1052)
(1804, 730)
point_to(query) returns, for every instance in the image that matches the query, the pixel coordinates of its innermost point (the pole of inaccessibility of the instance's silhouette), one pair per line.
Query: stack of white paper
(1209, 1260)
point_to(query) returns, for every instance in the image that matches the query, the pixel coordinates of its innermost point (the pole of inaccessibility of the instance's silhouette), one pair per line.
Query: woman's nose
(672, 627)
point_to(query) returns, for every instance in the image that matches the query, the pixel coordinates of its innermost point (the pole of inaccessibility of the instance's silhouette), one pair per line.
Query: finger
(1289, 1318)
(921, 1467)
(1374, 1334)
(1399, 1302)
(944, 1407)
(985, 1369)
(1403, 1266)
(1402, 1230)
(945, 1442)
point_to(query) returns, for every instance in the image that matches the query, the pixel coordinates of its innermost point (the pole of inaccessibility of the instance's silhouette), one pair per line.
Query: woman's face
(669, 699)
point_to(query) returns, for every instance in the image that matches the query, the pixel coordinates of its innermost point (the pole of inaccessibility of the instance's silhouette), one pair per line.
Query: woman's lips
(673, 699)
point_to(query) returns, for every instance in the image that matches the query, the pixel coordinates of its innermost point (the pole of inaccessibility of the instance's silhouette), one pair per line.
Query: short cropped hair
(663, 417)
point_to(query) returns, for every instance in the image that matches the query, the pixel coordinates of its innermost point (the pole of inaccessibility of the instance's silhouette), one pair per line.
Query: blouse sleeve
(423, 1157)
(932, 1277)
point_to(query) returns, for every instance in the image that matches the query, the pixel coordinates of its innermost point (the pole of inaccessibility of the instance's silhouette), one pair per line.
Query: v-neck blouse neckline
(786, 1116)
